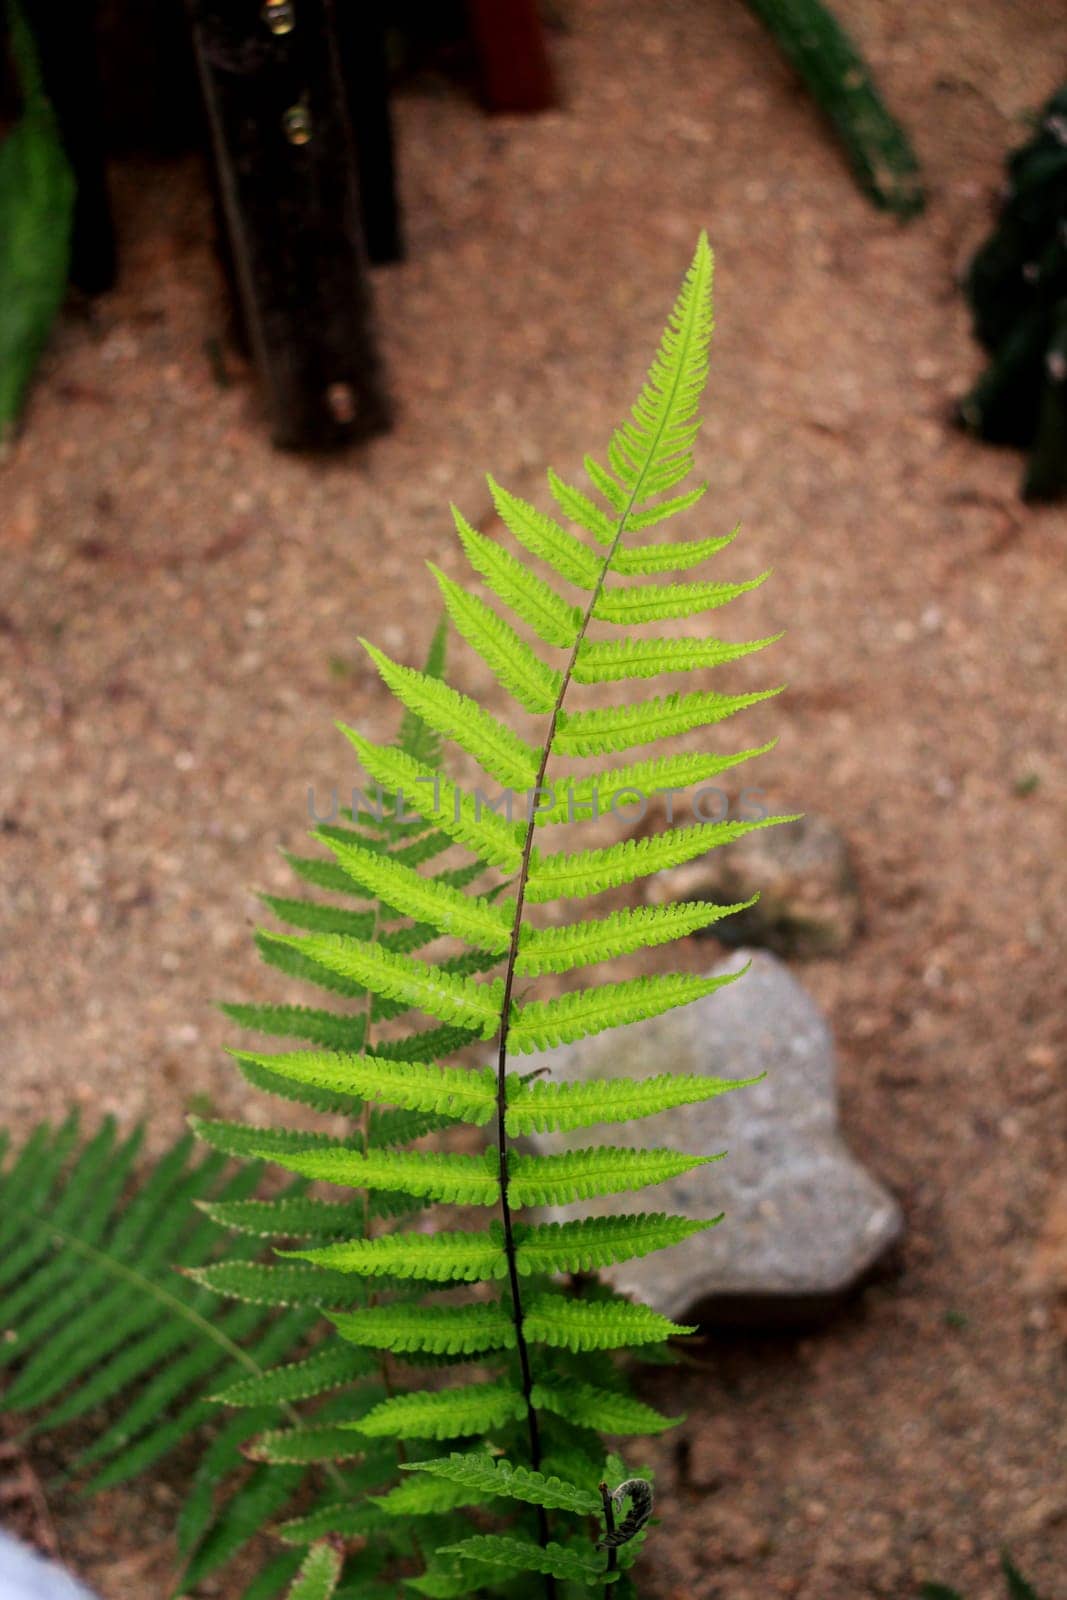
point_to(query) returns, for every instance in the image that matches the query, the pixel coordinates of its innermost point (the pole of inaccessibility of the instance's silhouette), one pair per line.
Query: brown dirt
(179, 608)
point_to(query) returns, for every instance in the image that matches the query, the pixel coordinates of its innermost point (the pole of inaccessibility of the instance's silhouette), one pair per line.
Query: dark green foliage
(840, 81)
(100, 1329)
(1017, 1586)
(1017, 289)
(36, 210)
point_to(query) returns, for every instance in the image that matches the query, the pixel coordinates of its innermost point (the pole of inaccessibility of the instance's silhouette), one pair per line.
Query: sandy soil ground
(179, 608)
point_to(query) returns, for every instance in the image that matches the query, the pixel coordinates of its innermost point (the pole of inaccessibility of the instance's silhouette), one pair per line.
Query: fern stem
(522, 1348)
(609, 1529)
(513, 952)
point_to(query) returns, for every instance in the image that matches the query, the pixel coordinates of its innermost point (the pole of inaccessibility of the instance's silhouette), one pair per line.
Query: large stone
(808, 900)
(24, 1575)
(804, 1223)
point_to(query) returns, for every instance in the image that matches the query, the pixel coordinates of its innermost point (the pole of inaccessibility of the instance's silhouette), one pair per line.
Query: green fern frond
(359, 965)
(544, 1023)
(444, 1413)
(435, 1257)
(499, 1550)
(481, 922)
(607, 1410)
(545, 538)
(582, 944)
(509, 658)
(493, 1476)
(539, 1105)
(610, 728)
(373, 949)
(610, 661)
(667, 602)
(580, 873)
(567, 1324)
(466, 1094)
(440, 1330)
(590, 1243)
(551, 618)
(456, 716)
(97, 1316)
(319, 1574)
(576, 798)
(585, 1174)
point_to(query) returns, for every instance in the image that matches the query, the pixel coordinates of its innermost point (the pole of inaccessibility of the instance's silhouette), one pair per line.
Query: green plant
(36, 212)
(1017, 1586)
(841, 83)
(545, 1380)
(95, 1320)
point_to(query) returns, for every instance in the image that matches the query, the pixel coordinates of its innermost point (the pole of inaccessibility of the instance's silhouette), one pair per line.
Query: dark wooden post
(287, 172)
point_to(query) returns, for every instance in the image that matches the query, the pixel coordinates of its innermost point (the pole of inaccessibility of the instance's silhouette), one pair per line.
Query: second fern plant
(542, 1384)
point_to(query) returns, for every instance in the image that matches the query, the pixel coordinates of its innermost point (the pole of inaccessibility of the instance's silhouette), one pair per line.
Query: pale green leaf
(476, 1408)
(514, 665)
(466, 1093)
(542, 1024)
(545, 538)
(551, 617)
(495, 1476)
(579, 944)
(403, 978)
(608, 728)
(608, 661)
(539, 1104)
(456, 812)
(644, 560)
(589, 1243)
(456, 716)
(440, 1330)
(585, 1174)
(569, 1324)
(586, 872)
(607, 1410)
(667, 601)
(480, 922)
(435, 1257)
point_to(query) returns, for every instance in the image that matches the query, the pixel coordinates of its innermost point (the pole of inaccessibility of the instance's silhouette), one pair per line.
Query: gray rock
(809, 902)
(804, 1223)
(24, 1575)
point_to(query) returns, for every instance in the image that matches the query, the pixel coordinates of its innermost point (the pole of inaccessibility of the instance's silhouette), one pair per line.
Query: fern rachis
(647, 457)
